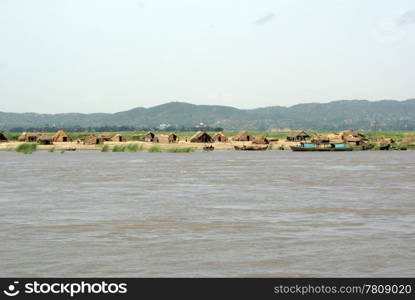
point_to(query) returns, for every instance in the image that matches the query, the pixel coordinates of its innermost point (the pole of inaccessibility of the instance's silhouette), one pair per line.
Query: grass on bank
(154, 149)
(127, 148)
(180, 150)
(26, 148)
(105, 148)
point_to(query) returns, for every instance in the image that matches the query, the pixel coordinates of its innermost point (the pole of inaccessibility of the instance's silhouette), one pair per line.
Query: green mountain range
(336, 115)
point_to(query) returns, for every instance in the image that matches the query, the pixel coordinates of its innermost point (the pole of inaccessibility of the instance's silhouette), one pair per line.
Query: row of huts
(350, 137)
(347, 136)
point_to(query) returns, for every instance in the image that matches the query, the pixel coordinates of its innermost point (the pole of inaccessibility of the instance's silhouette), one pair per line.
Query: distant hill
(336, 115)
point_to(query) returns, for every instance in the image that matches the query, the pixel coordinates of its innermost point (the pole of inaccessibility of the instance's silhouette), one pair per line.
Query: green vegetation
(51, 149)
(128, 148)
(154, 149)
(180, 150)
(27, 148)
(119, 148)
(105, 148)
(134, 147)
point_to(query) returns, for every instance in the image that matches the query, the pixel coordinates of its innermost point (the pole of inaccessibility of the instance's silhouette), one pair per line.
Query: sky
(110, 55)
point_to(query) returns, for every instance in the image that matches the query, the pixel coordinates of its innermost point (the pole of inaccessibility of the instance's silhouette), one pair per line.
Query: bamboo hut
(219, 137)
(200, 137)
(166, 139)
(243, 136)
(61, 137)
(118, 138)
(93, 140)
(45, 140)
(352, 140)
(320, 139)
(30, 137)
(149, 137)
(297, 136)
(3, 138)
(260, 140)
(335, 138)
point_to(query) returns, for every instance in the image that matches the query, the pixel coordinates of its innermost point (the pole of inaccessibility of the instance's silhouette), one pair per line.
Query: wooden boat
(309, 147)
(251, 147)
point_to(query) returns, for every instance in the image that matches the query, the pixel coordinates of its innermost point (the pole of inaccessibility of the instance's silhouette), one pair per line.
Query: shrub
(118, 149)
(26, 148)
(154, 149)
(106, 148)
(134, 147)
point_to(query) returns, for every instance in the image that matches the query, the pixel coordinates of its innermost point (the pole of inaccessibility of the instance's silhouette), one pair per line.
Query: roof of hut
(3, 138)
(59, 135)
(297, 133)
(198, 135)
(25, 135)
(219, 135)
(243, 135)
(320, 139)
(260, 140)
(118, 137)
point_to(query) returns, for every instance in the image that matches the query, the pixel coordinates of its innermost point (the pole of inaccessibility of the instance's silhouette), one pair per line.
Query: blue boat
(304, 146)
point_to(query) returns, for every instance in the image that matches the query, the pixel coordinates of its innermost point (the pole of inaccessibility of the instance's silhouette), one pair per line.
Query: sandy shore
(10, 146)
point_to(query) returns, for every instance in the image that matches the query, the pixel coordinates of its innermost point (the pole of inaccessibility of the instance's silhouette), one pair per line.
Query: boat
(321, 147)
(251, 147)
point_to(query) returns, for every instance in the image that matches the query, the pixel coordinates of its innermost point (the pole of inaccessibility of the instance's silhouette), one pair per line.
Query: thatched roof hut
(93, 140)
(30, 137)
(166, 139)
(118, 138)
(61, 137)
(200, 137)
(219, 137)
(149, 137)
(260, 140)
(3, 138)
(352, 140)
(335, 138)
(45, 140)
(243, 136)
(299, 135)
(320, 139)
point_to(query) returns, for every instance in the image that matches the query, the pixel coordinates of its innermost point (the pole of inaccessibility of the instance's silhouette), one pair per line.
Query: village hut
(320, 139)
(30, 137)
(149, 137)
(335, 138)
(260, 140)
(118, 138)
(166, 139)
(200, 137)
(243, 136)
(61, 137)
(352, 140)
(2, 137)
(297, 136)
(45, 140)
(93, 140)
(219, 137)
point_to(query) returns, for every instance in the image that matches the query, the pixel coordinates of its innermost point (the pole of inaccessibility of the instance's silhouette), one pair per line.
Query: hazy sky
(109, 55)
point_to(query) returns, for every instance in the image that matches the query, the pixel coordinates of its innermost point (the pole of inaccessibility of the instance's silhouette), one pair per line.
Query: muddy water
(225, 213)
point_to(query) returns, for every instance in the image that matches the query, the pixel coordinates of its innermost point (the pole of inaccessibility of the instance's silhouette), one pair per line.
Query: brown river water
(222, 214)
